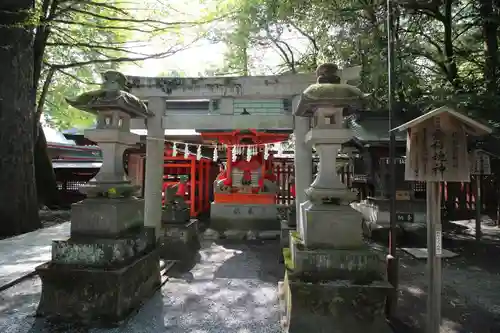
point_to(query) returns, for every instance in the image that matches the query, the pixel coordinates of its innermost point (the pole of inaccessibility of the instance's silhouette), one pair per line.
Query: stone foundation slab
(103, 217)
(171, 216)
(179, 241)
(362, 264)
(97, 296)
(211, 234)
(99, 252)
(244, 217)
(335, 306)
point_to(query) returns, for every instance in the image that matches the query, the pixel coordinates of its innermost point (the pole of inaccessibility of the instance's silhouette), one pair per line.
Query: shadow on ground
(231, 289)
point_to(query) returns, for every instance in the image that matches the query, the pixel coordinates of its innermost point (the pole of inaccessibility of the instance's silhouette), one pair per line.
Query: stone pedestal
(244, 217)
(287, 225)
(179, 239)
(286, 228)
(333, 306)
(334, 282)
(97, 296)
(105, 270)
(333, 290)
(110, 264)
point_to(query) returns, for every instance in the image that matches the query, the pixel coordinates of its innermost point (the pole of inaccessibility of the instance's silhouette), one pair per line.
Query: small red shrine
(247, 179)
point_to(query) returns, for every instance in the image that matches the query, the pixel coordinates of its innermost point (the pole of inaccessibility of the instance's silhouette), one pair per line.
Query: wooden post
(192, 190)
(434, 252)
(478, 207)
(436, 152)
(199, 174)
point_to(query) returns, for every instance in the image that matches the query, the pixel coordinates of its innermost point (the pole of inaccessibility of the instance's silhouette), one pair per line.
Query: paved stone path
(233, 289)
(20, 255)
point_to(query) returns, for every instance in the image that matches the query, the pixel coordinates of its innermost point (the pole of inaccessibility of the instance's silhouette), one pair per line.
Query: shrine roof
(472, 126)
(373, 129)
(267, 131)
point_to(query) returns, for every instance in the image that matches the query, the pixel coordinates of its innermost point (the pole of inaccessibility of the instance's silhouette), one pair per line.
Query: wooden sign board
(436, 150)
(480, 163)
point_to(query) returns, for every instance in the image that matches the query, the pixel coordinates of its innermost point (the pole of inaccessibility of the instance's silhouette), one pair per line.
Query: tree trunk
(18, 200)
(46, 184)
(449, 52)
(489, 22)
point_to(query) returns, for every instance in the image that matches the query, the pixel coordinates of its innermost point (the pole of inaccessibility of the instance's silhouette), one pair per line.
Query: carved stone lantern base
(333, 290)
(334, 282)
(110, 264)
(106, 269)
(100, 294)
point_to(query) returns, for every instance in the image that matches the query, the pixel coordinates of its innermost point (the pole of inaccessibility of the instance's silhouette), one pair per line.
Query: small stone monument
(334, 282)
(109, 266)
(180, 238)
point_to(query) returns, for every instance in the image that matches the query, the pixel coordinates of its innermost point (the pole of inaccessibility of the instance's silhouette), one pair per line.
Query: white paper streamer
(249, 154)
(198, 153)
(174, 149)
(216, 155)
(266, 151)
(280, 149)
(234, 154)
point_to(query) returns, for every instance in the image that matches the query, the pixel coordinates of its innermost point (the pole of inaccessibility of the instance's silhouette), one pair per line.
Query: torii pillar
(155, 146)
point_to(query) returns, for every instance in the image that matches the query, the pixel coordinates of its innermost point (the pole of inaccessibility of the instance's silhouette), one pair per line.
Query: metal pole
(392, 260)
(434, 252)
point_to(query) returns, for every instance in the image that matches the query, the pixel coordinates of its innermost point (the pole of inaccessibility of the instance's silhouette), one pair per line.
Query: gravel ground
(232, 289)
(471, 289)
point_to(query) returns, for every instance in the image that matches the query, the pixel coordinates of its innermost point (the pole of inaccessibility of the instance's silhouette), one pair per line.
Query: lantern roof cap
(329, 91)
(471, 126)
(112, 96)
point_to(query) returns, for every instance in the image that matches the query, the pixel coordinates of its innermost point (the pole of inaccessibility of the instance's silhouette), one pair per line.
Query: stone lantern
(334, 282)
(110, 258)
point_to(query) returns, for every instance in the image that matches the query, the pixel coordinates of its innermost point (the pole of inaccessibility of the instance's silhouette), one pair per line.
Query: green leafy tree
(446, 50)
(72, 41)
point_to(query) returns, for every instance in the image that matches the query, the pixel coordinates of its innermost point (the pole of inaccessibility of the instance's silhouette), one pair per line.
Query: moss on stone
(287, 256)
(296, 236)
(332, 91)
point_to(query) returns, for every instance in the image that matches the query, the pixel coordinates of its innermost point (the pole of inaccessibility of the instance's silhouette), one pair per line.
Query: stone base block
(172, 216)
(286, 228)
(244, 217)
(333, 306)
(329, 225)
(241, 235)
(292, 217)
(100, 252)
(97, 296)
(358, 265)
(180, 241)
(106, 217)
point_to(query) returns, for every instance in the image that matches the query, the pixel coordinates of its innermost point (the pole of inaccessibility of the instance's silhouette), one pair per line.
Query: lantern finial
(328, 73)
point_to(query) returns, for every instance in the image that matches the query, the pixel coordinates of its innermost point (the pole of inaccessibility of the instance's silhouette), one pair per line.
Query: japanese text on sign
(439, 243)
